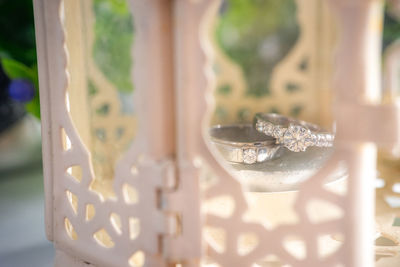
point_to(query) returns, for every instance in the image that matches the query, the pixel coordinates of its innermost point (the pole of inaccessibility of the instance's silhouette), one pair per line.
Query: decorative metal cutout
(153, 217)
(387, 240)
(306, 232)
(121, 229)
(297, 81)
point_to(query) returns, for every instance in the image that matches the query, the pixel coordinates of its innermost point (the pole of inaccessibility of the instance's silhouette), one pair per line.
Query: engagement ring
(296, 135)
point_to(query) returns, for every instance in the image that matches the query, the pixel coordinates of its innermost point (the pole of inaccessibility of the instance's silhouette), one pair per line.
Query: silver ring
(295, 135)
(241, 143)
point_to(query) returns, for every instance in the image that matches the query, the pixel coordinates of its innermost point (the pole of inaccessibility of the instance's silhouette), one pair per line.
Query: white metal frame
(175, 124)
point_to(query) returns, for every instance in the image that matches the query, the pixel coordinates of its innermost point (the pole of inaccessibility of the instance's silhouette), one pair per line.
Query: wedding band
(241, 143)
(296, 135)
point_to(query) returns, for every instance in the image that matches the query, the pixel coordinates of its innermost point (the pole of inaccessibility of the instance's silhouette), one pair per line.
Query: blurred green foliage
(113, 41)
(257, 34)
(391, 28)
(17, 70)
(17, 38)
(17, 45)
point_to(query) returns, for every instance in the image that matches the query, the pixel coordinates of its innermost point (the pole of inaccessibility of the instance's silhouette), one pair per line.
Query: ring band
(296, 135)
(241, 143)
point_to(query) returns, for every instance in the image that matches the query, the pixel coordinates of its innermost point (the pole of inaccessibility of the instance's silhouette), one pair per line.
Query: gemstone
(322, 140)
(249, 155)
(295, 138)
(312, 140)
(262, 154)
(268, 128)
(260, 126)
(277, 132)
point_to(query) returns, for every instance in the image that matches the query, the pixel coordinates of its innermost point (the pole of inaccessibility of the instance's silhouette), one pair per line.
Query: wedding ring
(241, 143)
(296, 135)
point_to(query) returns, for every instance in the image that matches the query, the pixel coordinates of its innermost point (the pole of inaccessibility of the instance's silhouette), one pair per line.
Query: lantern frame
(170, 149)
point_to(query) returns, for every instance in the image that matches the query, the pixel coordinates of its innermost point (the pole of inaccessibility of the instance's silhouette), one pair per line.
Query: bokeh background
(22, 236)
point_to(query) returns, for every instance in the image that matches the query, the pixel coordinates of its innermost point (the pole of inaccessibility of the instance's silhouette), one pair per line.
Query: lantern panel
(99, 40)
(272, 57)
(263, 64)
(298, 238)
(99, 172)
(162, 194)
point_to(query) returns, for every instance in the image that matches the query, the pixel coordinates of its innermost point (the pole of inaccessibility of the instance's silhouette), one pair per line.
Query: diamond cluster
(271, 130)
(324, 140)
(249, 155)
(296, 138)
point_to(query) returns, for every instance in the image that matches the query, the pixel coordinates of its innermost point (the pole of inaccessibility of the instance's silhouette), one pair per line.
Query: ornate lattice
(287, 238)
(234, 241)
(223, 233)
(150, 218)
(388, 192)
(299, 83)
(388, 212)
(119, 229)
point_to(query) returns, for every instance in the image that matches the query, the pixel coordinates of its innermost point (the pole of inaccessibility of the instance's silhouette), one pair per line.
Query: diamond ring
(241, 143)
(295, 135)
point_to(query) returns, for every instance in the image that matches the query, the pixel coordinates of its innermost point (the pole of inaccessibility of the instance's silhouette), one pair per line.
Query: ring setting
(241, 143)
(250, 144)
(293, 134)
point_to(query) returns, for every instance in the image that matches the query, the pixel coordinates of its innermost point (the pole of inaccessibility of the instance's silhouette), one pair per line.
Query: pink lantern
(129, 91)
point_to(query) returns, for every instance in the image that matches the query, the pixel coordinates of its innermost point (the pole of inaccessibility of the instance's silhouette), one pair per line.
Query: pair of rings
(249, 144)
